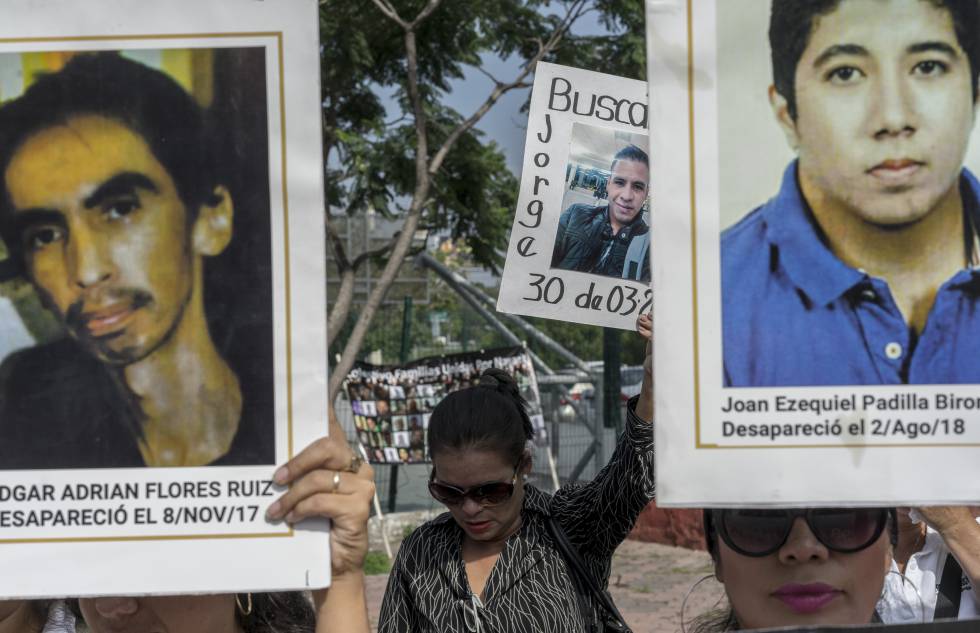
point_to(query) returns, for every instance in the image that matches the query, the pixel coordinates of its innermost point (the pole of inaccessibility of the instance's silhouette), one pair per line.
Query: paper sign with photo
(817, 282)
(580, 247)
(162, 213)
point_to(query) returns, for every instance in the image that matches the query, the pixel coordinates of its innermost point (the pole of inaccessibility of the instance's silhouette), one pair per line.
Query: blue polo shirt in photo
(793, 314)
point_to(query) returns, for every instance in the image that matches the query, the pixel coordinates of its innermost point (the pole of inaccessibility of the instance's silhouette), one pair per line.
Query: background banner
(163, 174)
(793, 193)
(392, 403)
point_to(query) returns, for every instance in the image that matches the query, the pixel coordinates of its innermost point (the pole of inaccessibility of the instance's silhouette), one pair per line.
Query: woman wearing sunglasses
(490, 563)
(799, 567)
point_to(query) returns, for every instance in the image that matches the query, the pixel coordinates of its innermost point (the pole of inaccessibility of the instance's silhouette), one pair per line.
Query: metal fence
(580, 445)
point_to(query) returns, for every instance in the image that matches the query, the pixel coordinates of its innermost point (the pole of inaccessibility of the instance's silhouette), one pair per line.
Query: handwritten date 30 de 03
(622, 299)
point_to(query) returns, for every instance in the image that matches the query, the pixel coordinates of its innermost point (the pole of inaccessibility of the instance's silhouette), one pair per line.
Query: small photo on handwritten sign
(580, 247)
(602, 228)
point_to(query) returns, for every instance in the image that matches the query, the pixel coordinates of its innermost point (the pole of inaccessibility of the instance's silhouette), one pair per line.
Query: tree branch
(496, 82)
(343, 263)
(425, 13)
(375, 252)
(341, 306)
(574, 12)
(385, 7)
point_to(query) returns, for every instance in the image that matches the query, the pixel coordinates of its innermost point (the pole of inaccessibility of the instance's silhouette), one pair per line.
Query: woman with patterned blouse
(490, 563)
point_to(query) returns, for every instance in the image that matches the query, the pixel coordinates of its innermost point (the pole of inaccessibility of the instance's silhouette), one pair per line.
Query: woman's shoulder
(536, 500)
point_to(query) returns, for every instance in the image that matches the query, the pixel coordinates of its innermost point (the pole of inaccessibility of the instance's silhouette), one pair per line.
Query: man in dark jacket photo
(595, 239)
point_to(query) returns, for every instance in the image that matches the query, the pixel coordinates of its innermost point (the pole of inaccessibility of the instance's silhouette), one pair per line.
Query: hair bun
(505, 384)
(500, 380)
(489, 380)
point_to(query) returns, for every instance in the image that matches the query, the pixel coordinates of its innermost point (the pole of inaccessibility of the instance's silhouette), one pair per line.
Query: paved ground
(648, 583)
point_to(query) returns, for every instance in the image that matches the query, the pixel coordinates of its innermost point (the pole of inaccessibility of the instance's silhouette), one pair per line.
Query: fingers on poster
(779, 351)
(162, 155)
(580, 244)
(392, 404)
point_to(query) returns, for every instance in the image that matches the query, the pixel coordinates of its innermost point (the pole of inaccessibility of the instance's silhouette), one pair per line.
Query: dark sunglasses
(762, 532)
(487, 494)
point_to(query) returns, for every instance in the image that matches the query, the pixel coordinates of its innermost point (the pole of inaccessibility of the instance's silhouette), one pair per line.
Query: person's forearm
(343, 607)
(963, 540)
(644, 406)
(597, 516)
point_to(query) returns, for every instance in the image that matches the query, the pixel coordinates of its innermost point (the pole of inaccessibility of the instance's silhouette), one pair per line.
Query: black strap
(950, 590)
(614, 619)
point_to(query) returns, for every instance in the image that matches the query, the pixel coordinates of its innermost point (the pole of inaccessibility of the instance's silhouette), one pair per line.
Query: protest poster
(796, 364)
(579, 248)
(392, 403)
(163, 264)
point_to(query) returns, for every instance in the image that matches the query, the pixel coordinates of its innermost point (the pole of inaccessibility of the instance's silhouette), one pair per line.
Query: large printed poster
(818, 275)
(160, 182)
(392, 403)
(580, 247)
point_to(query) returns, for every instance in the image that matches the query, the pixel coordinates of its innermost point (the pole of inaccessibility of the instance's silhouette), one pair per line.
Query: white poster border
(696, 465)
(246, 552)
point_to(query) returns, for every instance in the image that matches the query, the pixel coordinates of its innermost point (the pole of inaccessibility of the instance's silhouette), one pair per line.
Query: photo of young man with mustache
(110, 203)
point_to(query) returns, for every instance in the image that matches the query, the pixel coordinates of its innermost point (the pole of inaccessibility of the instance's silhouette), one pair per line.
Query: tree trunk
(341, 305)
(378, 292)
(407, 234)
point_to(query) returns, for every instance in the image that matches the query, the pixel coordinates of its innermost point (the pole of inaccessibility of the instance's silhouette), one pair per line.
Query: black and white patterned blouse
(530, 588)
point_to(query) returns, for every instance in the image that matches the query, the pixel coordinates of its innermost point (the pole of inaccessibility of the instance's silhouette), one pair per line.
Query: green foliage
(621, 52)
(376, 564)
(370, 153)
(464, 329)
(585, 341)
(407, 530)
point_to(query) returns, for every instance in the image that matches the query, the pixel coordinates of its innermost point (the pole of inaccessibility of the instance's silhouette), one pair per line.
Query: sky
(505, 122)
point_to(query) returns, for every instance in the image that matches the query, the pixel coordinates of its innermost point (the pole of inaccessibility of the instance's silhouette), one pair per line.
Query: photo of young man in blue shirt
(862, 269)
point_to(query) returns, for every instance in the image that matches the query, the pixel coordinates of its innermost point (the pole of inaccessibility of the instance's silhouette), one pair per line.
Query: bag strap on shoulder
(614, 619)
(949, 590)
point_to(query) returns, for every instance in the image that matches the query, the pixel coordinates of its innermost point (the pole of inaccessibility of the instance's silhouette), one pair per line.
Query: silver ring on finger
(336, 481)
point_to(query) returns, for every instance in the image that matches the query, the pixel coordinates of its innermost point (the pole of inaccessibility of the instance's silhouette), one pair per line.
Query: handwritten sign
(579, 249)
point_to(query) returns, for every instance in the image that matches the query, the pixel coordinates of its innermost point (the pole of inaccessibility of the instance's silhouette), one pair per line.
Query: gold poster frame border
(278, 36)
(698, 444)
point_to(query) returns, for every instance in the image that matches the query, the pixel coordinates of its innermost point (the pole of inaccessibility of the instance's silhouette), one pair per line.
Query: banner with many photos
(392, 403)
